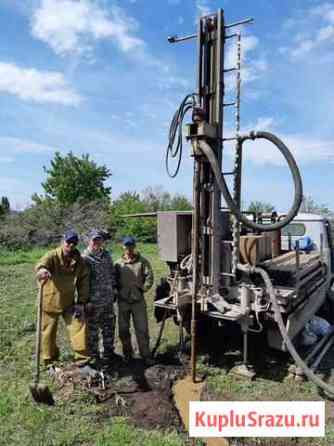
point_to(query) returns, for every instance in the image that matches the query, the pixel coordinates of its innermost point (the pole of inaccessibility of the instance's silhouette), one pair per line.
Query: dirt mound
(144, 395)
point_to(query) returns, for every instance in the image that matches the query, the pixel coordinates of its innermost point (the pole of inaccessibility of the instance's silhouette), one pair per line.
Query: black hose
(175, 138)
(207, 150)
(278, 318)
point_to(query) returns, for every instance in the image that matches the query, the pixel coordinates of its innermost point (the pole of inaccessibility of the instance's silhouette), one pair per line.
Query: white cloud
(313, 29)
(30, 84)
(305, 150)
(203, 7)
(264, 123)
(71, 27)
(251, 68)
(20, 146)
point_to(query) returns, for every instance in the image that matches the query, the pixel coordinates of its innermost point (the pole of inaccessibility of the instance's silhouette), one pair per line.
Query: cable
(207, 150)
(175, 139)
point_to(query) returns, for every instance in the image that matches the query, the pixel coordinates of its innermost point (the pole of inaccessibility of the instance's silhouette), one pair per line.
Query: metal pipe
(245, 347)
(176, 39)
(297, 266)
(242, 22)
(318, 359)
(319, 345)
(237, 165)
(195, 254)
(230, 36)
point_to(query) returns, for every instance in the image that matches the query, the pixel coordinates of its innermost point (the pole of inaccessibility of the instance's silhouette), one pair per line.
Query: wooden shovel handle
(38, 328)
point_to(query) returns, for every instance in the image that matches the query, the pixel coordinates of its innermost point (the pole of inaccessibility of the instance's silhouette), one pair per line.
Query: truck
(270, 274)
(302, 277)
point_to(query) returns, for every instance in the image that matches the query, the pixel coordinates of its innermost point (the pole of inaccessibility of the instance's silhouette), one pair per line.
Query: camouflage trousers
(101, 332)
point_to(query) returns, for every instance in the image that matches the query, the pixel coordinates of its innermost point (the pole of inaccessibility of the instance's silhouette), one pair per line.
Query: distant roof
(306, 216)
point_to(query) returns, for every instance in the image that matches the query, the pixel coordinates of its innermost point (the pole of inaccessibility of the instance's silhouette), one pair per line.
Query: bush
(44, 224)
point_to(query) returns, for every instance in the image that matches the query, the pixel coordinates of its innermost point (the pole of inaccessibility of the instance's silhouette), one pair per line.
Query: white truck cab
(314, 226)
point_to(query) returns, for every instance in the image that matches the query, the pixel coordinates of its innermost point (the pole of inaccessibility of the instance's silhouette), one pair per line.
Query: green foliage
(71, 179)
(310, 206)
(143, 229)
(150, 201)
(43, 224)
(79, 420)
(156, 199)
(19, 256)
(4, 207)
(260, 206)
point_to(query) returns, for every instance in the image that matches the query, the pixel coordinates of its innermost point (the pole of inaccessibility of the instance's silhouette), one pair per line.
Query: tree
(180, 203)
(309, 206)
(142, 228)
(5, 205)
(71, 179)
(260, 207)
(156, 199)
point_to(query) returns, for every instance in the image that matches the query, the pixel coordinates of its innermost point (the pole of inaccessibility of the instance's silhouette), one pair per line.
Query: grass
(79, 421)
(20, 256)
(76, 422)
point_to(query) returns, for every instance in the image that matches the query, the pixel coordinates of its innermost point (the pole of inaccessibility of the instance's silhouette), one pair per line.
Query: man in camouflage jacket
(101, 321)
(134, 277)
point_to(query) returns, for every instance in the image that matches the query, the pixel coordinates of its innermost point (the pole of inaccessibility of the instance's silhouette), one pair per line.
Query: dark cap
(95, 234)
(71, 236)
(129, 241)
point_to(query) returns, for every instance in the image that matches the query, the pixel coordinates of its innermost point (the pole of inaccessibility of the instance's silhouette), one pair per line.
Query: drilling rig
(225, 264)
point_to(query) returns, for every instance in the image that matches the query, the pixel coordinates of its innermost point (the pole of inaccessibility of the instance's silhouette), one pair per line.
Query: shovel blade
(41, 394)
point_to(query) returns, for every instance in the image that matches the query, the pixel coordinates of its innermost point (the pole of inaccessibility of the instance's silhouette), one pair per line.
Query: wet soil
(142, 394)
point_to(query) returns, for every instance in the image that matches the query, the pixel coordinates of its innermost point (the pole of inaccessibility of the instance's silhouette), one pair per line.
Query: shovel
(40, 392)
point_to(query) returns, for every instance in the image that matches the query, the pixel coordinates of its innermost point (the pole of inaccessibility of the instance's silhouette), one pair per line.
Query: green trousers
(77, 332)
(137, 311)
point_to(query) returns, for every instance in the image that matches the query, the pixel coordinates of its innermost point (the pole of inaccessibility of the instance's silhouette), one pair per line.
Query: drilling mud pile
(143, 395)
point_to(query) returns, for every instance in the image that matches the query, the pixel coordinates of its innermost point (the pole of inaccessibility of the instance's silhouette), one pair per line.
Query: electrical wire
(175, 139)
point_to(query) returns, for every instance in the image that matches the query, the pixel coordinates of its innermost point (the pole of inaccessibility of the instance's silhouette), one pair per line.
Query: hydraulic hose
(298, 196)
(278, 318)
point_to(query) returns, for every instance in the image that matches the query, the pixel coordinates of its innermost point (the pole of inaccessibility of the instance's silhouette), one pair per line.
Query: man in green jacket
(65, 275)
(135, 277)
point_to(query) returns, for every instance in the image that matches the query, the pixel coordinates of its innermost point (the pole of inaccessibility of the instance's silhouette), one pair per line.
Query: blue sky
(99, 77)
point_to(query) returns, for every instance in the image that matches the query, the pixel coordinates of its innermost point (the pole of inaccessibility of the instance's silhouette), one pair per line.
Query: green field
(77, 421)
(70, 423)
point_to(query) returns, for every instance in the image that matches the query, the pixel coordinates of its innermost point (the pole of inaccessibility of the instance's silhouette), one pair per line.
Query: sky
(99, 77)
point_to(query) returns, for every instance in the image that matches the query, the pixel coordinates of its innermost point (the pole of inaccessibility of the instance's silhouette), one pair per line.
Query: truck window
(294, 229)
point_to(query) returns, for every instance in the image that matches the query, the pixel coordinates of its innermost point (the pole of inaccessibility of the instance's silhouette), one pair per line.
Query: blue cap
(128, 241)
(95, 234)
(71, 236)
